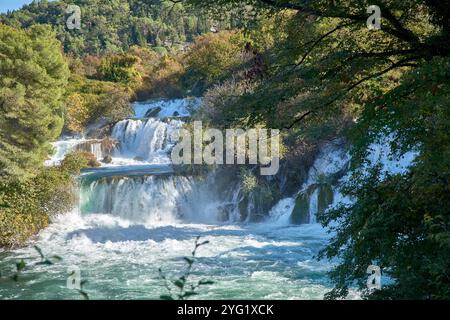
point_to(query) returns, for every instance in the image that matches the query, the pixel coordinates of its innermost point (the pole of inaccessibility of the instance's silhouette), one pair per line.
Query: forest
(312, 69)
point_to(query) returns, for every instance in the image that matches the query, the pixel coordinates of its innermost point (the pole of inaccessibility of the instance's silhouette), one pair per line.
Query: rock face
(300, 214)
(152, 113)
(314, 200)
(99, 130)
(100, 148)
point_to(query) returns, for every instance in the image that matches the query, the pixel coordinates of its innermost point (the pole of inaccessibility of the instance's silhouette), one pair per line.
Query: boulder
(107, 159)
(153, 112)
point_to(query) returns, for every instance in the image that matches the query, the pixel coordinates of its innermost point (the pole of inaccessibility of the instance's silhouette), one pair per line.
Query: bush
(212, 58)
(119, 68)
(27, 206)
(77, 160)
(100, 98)
(164, 81)
(77, 113)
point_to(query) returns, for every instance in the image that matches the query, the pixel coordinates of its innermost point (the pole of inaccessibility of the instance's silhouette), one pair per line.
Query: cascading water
(136, 216)
(329, 172)
(147, 140)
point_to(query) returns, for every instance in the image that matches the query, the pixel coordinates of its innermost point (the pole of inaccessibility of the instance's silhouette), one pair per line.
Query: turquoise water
(120, 260)
(136, 216)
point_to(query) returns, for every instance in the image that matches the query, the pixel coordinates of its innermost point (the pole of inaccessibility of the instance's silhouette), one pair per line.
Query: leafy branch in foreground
(180, 288)
(21, 266)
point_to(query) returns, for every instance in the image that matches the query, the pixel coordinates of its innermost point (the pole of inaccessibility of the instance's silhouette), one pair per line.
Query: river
(135, 216)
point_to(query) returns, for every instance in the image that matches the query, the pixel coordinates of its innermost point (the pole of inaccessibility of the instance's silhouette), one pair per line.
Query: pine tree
(34, 74)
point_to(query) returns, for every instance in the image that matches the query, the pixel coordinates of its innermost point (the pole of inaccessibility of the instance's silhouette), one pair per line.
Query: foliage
(94, 100)
(113, 26)
(249, 181)
(26, 205)
(34, 74)
(182, 288)
(211, 59)
(118, 68)
(163, 80)
(77, 113)
(401, 221)
(328, 69)
(77, 160)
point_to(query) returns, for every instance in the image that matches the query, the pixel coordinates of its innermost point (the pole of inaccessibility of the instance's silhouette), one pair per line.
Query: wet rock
(300, 214)
(107, 159)
(152, 113)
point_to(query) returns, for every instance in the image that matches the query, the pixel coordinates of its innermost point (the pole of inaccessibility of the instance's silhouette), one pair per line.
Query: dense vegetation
(312, 69)
(326, 68)
(114, 26)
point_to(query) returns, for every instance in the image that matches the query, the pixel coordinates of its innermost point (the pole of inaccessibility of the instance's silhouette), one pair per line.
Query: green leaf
(205, 282)
(166, 297)
(84, 294)
(20, 265)
(190, 293)
(179, 283)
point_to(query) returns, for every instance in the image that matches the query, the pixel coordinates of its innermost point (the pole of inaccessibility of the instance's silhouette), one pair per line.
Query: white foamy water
(145, 140)
(136, 216)
(62, 148)
(120, 259)
(169, 107)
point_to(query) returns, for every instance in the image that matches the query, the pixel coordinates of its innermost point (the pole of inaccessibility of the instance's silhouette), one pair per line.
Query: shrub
(26, 206)
(164, 81)
(212, 58)
(77, 113)
(119, 68)
(77, 160)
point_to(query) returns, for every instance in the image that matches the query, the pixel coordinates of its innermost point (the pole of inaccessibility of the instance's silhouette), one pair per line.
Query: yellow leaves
(212, 55)
(77, 113)
(16, 228)
(249, 181)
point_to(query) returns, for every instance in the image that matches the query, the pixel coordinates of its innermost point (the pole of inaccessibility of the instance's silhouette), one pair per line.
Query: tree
(77, 113)
(34, 74)
(400, 222)
(109, 26)
(211, 58)
(328, 65)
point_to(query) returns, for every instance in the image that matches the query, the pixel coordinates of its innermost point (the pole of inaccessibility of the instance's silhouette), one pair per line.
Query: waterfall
(156, 199)
(151, 200)
(146, 140)
(329, 172)
(167, 107)
(141, 194)
(96, 149)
